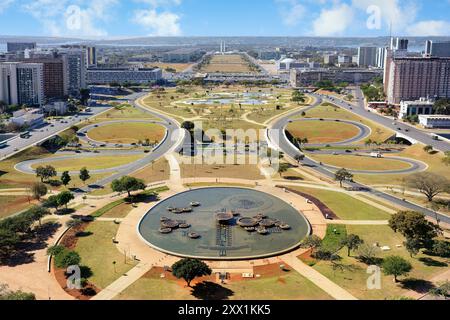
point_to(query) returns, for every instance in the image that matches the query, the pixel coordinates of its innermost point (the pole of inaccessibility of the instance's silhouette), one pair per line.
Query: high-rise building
(20, 46)
(55, 72)
(381, 57)
(8, 83)
(330, 59)
(76, 70)
(367, 56)
(440, 49)
(414, 78)
(22, 83)
(91, 56)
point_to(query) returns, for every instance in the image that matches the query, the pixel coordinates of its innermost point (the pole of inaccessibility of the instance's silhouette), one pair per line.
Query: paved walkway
(317, 278)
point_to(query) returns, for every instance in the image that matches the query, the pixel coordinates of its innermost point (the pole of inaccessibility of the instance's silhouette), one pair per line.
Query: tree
(282, 168)
(442, 291)
(312, 242)
(414, 225)
(429, 184)
(67, 258)
(441, 248)
(8, 242)
(7, 294)
(189, 269)
(45, 173)
(64, 198)
(352, 242)
(188, 125)
(85, 94)
(66, 178)
(128, 184)
(39, 190)
(428, 149)
(446, 159)
(442, 106)
(84, 175)
(396, 266)
(298, 97)
(36, 213)
(368, 254)
(52, 202)
(343, 175)
(413, 246)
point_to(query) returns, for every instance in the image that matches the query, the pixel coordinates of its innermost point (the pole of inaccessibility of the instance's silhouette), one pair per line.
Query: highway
(278, 140)
(172, 142)
(46, 131)
(412, 132)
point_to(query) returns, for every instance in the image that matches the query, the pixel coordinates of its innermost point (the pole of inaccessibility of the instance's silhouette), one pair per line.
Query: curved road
(278, 140)
(361, 111)
(172, 142)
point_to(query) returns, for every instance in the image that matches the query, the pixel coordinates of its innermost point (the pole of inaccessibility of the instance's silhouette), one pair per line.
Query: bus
(25, 135)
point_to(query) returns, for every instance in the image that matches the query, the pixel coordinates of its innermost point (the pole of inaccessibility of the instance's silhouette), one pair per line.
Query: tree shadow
(417, 285)
(25, 250)
(432, 263)
(292, 178)
(83, 234)
(211, 291)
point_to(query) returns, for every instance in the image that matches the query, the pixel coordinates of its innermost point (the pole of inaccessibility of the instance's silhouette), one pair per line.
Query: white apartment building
(22, 83)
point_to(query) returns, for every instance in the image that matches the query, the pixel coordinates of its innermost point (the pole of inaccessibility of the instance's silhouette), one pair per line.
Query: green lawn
(92, 163)
(345, 206)
(98, 252)
(360, 163)
(323, 132)
(287, 286)
(352, 274)
(10, 205)
(127, 133)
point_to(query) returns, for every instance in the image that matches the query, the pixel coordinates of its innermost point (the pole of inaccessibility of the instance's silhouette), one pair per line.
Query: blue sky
(120, 18)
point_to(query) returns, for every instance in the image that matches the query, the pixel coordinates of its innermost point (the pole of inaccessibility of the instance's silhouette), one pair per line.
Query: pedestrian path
(317, 278)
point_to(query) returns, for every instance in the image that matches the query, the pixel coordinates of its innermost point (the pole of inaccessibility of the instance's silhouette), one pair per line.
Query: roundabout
(124, 132)
(229, 224)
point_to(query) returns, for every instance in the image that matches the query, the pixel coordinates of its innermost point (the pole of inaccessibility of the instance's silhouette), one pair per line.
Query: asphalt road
(46, 131)
(413, 133)
(173, 141)
(276, 135)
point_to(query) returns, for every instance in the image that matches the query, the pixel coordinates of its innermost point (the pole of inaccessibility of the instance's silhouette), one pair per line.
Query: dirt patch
(85, 294)
(69, 241)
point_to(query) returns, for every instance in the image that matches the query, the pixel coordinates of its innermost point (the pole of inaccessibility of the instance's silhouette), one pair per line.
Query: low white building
(57, 108)
(434, 121)
(29, 118)
(422, 106)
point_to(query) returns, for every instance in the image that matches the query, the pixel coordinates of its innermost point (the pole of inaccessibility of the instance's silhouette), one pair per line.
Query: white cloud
(162, 24)
(334, 21)
(429, 28)
(83, 21)
(159, 22)
(392, 12)
(4, 4)
(291, 12)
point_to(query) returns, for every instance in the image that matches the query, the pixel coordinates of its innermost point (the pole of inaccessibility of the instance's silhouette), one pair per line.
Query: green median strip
(112, 205)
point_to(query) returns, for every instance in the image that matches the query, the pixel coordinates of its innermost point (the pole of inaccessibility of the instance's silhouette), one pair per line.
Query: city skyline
(344, 18)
